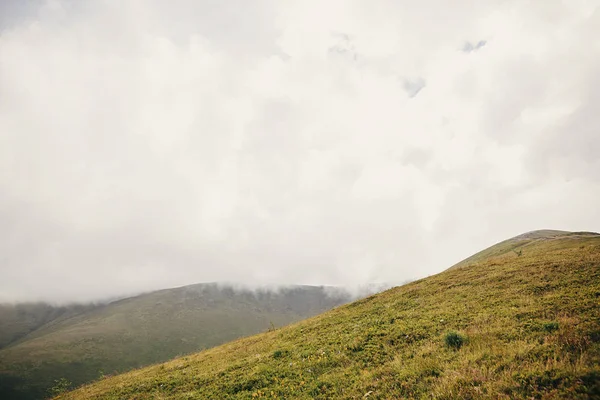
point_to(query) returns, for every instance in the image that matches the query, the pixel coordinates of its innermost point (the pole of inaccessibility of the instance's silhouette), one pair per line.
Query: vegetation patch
(280, 353)
(454, 340)
(550, 326)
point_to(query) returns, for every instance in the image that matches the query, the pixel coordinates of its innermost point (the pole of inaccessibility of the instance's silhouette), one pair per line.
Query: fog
(152, 144)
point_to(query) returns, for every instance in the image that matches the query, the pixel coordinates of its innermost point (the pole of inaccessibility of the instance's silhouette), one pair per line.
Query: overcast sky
(149, 144)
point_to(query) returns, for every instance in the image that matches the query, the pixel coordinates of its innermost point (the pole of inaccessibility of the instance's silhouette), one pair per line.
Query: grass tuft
(550, 326)
(454, 340)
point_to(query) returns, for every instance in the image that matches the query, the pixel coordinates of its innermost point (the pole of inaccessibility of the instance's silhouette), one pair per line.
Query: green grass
(530, 324)
(139, 331)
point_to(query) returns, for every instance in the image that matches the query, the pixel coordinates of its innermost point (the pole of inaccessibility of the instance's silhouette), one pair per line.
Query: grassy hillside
(502, 326)
(142, 330)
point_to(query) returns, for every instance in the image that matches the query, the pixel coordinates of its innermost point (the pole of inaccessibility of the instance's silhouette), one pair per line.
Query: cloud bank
(148, 144)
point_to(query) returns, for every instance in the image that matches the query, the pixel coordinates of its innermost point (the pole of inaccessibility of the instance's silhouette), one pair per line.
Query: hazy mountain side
(150, 328)
(22, 319)
(506, 326)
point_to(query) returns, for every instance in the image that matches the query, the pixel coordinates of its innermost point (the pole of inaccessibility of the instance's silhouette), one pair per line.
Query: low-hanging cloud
(152, 144)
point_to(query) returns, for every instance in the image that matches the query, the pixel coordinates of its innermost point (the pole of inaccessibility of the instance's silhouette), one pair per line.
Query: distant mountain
(42, 343)
(520, 320)
(19, 320)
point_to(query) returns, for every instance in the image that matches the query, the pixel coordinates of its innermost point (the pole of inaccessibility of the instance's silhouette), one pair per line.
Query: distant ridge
(43, 343)
(541, 234)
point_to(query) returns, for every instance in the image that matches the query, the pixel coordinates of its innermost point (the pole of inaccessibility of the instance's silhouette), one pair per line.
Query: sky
(151, 144)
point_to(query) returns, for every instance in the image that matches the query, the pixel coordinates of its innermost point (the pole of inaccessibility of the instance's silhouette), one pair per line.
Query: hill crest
(518, 243)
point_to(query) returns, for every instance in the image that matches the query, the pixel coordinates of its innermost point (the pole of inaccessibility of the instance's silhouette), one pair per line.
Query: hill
(21, 319)
(81, 343)
(500, 326)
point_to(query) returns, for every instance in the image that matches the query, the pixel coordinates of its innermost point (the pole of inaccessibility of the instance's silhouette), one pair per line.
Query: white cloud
(146, 144)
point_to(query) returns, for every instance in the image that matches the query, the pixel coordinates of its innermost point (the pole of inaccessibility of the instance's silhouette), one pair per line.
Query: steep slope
(146, 329)
(505, 326)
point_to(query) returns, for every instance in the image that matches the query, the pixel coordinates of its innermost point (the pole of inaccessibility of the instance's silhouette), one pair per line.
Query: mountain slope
(529, 326)
(146, 329)
(20, 320)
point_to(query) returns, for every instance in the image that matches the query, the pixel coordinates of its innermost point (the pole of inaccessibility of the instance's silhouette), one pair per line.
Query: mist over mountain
(153, 144)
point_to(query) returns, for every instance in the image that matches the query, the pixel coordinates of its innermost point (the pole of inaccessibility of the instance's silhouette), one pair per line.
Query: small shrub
(518, 252)
(278, 354)
(356, 345)
(454, 340)
(550, 326)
